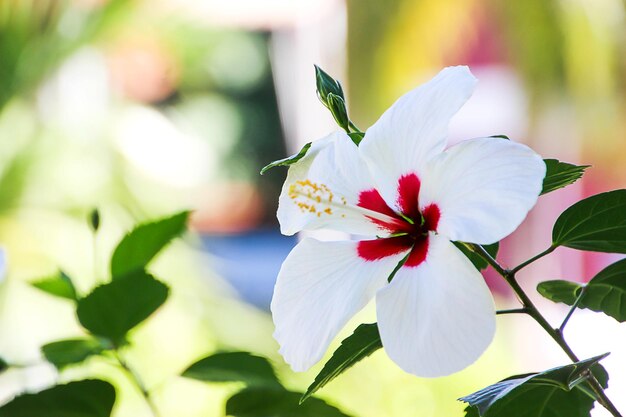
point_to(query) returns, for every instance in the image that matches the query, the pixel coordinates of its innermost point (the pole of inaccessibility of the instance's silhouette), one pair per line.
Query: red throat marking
(415, 232)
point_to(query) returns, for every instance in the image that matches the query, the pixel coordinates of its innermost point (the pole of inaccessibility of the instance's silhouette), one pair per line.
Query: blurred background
(142, 108)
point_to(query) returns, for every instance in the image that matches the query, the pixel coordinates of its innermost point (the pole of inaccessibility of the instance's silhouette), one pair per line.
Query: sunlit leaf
(71, 351)
(363, 342)
(88, 398)
(561, 174)
(268, 402)
(605, 293)
(59, 285)
(233, 367)
(144, 242)
(327, 85)
(561, 391)
(478, 260)
(560, 291)
(289, 160)
(112, 309)
(597, 223)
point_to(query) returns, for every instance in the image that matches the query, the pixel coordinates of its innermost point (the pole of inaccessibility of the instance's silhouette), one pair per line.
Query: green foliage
(268, 402)
(144, 242)
(337, 107)
(327, 85)
(560, 291)
(287, 161)
(59, 285)
(356, 137)
(71, 351)
(363, 342)
(94, 220)
(233, 367)
(476, 259)
(597, 223)
(3, 365)
(605, 293)
(561, 391)
(561, 174)
(112, 309)
(88, 398)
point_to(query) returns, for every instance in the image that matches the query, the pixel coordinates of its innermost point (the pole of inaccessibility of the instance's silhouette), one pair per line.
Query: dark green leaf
(326, 85)
(59, 285)
(476, 259)
(144, 242)
(94, 220)
(363, 342)
(268, 402)
(71, 351)
(597, 223)
(88, 398)
(605, 293)
(289, 160)
(559, 391)
(560, 291)
(505, 137)
(3, 365)
(112, 309)
(561, 174)
(356, 137)
(337, 107)
(233, 367)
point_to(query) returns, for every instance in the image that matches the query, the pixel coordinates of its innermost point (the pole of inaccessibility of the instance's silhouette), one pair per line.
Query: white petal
(437, 318)
(484, 188)
(414, 128)
(321, 285)
(322, 190)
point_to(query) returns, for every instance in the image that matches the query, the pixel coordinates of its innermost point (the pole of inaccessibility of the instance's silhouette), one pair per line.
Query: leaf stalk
(532, 311)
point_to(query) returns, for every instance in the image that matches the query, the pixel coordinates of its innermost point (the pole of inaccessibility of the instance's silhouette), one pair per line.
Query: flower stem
(533, 259)
(531, 310)
(136, 380)
(512, 311)
(572, 309)
(353, 127)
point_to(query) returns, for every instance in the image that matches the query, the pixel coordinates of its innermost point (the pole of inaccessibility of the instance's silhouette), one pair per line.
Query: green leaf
(560, 291)
(597, 223)
(233, 367)
(3, 365)
(363, 342)
(326, 85)
(88, 398)
(604, 293)
(94, 220)
(112, 309)
(71, 351)
(476, 259)
(337, 107)
(505, 137)
(287, 161)
(59, 285)
(559, 391)
(356, 137)
(268, 402)
(561, 174)
(144, 242)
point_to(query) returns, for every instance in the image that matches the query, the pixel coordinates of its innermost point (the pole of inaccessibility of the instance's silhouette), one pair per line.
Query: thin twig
(136, 380)
(555, 334)
(533, 259)
(512, 311)
(572, 309)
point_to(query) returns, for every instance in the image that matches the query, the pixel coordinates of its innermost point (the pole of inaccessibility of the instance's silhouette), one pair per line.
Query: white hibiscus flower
(411, 198)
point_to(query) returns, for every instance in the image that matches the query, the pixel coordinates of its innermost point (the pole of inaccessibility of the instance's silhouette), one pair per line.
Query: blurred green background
(144, 108)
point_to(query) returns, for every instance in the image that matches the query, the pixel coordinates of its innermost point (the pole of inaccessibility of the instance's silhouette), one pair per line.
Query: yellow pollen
(312, 197)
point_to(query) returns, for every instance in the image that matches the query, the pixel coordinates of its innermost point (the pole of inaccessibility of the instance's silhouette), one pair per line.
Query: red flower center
(409, 229)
